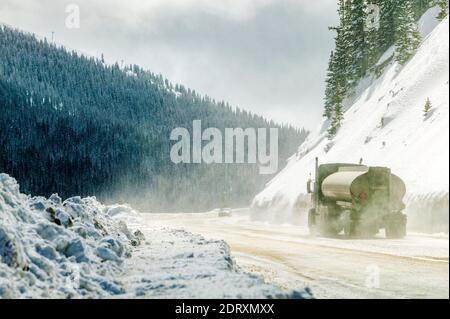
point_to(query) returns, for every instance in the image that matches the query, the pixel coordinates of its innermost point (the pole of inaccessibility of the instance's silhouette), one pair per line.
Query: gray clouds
(268, 56)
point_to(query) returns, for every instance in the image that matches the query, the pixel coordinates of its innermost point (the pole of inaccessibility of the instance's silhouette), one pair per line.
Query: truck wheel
(349, 229)
(396, 228)
(330, 231)
(312, 222)
(311, 217)
(353, 230)
(349, 225)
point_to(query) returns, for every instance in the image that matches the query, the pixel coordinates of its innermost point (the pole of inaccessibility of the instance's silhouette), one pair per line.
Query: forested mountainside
(367, 29)
(73, 125)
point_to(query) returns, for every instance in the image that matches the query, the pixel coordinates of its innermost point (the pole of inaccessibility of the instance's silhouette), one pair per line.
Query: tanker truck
(357, 200)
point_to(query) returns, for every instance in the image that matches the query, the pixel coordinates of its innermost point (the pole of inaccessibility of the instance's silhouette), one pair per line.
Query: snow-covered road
(415, 267)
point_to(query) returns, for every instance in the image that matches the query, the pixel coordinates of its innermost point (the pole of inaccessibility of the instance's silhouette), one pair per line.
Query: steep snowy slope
(385, 125)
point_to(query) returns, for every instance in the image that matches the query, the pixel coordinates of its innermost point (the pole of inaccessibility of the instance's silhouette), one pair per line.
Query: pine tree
(339, 76)
(355, 39)
(443, 5)
(371, 40)
(338, 114)
(427, 107)
(330, 88)
(337, 83)
(407, 36)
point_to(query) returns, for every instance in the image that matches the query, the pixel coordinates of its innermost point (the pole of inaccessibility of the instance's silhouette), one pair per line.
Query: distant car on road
(225, 212)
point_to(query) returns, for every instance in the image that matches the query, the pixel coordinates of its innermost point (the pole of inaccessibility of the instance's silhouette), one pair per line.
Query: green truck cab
(356, 199)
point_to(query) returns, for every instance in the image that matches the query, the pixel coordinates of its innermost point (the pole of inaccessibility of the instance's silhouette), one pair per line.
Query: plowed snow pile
(50, 248)
(185, 265)
(385, 125)
(79, 248)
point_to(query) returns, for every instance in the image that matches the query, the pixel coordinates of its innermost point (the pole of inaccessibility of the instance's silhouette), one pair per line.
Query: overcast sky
(267, 56)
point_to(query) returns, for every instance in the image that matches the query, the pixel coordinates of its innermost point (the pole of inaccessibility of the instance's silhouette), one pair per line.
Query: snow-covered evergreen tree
(330, 85)
(355, 39)
(371, 36)
(443, 5)
(336, 121)
(338, 112)
(407, 36)
(386, 34)
(427, 107)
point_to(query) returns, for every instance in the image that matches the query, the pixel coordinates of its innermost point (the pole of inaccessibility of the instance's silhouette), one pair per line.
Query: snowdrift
(186, 265)
(385, 125)
(51, 248)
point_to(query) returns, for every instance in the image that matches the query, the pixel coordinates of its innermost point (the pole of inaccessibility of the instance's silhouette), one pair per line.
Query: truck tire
(311, 217)
(312, 222)
(349, 225)
(349, 229)
(354, 230)
(330, 231)
(396, 227)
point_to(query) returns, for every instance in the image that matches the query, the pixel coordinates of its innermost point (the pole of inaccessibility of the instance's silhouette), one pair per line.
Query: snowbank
(385, 125)
(186, 265)
(174, 263)
(55, 249)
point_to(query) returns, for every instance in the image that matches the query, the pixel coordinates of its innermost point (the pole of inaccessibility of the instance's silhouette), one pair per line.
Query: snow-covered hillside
(385, 125)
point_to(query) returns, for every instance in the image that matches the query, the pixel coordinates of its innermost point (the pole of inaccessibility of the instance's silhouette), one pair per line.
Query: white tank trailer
(357, 200)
